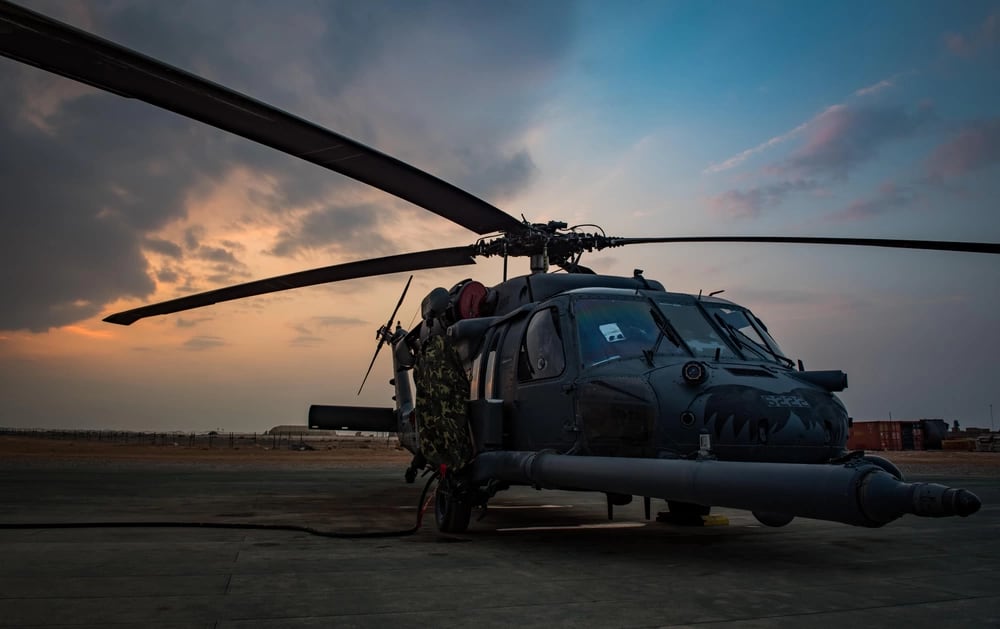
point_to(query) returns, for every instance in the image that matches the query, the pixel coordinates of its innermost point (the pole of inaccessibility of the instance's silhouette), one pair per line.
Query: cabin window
(491, 369)
(485, 367)
(474, 388)
(542, 354)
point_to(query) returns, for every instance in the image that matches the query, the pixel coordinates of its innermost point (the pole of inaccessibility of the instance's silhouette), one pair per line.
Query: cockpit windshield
(613, 329)
(748, 333)
(620, 328)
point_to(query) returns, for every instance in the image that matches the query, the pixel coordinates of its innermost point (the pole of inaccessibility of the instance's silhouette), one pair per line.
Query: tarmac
(536, 559)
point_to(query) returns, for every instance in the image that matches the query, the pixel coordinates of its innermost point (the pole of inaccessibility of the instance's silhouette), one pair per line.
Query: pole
(991, 417)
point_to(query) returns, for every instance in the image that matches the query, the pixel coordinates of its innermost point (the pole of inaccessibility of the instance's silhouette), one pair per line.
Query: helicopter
(572, 381)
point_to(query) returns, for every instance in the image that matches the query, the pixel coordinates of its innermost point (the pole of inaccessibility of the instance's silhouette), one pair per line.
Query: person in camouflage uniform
(443, 390)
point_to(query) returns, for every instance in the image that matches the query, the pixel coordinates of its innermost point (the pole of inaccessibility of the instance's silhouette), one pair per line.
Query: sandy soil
(347, 451)
(948, 463)
(360, 451)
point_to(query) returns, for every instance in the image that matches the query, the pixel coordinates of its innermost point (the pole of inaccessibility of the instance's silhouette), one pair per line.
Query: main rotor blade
(48, 44)
(434, 258)
(936, 245)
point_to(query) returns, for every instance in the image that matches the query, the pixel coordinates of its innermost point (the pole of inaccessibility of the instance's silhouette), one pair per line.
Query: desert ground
(362, 451)
(99, 534)
(354, 451)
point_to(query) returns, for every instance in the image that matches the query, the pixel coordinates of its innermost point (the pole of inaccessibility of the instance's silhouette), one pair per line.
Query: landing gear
(616, 499)
(773, 519)
(687, 513)
(452, 509)
(418, 463)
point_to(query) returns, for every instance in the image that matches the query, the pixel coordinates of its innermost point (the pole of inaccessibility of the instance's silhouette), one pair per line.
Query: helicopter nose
(767, 417)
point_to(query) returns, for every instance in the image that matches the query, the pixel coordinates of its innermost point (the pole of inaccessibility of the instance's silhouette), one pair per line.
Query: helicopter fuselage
(619, 367)
(747, 412)
(612, 384)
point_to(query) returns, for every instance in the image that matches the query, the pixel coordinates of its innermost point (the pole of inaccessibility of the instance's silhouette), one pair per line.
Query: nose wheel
(452, 509)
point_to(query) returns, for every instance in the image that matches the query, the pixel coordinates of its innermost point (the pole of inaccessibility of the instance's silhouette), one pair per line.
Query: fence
(211, 439)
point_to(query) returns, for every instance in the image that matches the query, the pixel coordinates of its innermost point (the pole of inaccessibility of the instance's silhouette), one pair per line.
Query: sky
(669, 118)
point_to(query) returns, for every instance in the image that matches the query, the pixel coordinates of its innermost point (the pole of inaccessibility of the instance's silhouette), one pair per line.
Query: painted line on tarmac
(610, 525)
(492, 507)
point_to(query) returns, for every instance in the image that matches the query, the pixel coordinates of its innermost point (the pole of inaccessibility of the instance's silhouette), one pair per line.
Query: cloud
(167, 275)
(193, 235)
(216, 254)
(844, 137)
(874, 89)
(304, 340)
(335, 320)
(493, 176)
(305, 337)
(978, 40)
(884, 84)
(750, 203)
(227, 274)
(67, 233)
(200, 343)
(742, 156)
(347, 229)
(957, 45)
(96, 179)
(975, 147)
(778, 296)
(226, 268)
(164, 247)
(82, 331)
(889, 197)
(190, 323)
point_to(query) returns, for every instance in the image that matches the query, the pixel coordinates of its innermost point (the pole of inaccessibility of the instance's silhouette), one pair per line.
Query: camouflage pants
(442, 393)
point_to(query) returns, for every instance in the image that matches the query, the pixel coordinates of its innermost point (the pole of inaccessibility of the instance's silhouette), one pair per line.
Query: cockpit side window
(755, 343)
(696, 331)
(542, 353)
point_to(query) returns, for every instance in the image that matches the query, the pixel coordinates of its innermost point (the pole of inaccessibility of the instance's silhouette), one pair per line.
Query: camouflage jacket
(442, 392)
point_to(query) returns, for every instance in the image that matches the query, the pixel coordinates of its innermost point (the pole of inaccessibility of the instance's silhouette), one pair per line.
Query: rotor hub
(545, 243)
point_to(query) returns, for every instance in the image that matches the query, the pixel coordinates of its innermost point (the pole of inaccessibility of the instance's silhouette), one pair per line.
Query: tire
(450, 515)
(681, 512)
(776, 520)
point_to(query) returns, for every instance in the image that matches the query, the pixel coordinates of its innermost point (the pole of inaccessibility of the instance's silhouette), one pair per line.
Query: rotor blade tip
(120, 318)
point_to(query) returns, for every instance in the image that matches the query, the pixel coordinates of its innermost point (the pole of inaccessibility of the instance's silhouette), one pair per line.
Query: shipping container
(886, 435)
